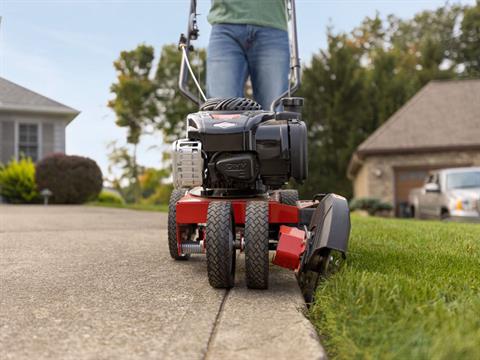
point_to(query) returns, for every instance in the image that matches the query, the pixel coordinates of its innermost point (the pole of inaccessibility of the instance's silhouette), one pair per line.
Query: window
(28, 141)
(464, 180)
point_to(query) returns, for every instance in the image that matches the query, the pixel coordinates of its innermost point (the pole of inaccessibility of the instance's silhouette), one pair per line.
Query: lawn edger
(228, 174)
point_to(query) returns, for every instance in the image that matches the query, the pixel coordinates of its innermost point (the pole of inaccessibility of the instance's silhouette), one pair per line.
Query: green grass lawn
(409, 290)
(163, 208)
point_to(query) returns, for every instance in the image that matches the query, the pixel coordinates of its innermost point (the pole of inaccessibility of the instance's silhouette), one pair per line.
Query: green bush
(370, 205)
(71, 179)
(160, 196)
(17, 182)
(108, 197)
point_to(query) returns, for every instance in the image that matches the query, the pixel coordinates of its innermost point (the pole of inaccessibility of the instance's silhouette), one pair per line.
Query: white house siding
(7, 138)
(48, 139)
(59, 136)
(1, 156)
(51, 132)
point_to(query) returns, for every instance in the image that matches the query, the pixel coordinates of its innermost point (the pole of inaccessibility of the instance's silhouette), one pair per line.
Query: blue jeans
(237, 51)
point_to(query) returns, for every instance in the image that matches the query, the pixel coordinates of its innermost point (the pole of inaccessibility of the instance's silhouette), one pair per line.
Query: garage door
(406, 180)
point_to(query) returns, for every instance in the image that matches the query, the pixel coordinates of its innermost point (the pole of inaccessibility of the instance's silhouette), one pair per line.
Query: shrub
(17, 181)
(109, 197)
(150, 180)
(71, 179)
(370, 205)
(160, 196)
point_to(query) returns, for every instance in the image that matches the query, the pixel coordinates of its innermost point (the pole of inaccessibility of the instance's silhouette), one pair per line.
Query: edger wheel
(220, 244)
(176, 195)
(309, 280)
(288, 197)
(256, 245)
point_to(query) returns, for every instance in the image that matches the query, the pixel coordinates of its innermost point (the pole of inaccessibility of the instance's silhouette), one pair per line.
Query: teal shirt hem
(250, 22)
(268, 13)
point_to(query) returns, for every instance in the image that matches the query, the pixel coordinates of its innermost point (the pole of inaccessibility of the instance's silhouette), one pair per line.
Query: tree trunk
(136, 185)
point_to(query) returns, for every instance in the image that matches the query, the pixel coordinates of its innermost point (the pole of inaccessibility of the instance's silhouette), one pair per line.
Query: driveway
(96, 283)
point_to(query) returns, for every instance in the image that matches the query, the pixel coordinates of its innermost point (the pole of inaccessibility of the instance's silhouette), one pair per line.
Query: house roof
(443, 115)
(14, 97)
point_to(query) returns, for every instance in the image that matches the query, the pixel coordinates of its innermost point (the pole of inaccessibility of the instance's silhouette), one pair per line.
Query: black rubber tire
(444, 215)
(220, 245)
(176, 195)
(256, 245)
(289, 197)
(309, 280)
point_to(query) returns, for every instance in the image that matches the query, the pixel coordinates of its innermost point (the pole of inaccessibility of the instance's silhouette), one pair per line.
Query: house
(438, 128)
(30, 124)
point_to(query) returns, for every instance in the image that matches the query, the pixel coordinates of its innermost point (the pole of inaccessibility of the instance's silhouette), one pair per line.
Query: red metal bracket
(291, 245)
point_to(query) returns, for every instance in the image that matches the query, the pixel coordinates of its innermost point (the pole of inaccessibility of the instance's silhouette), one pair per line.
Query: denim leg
(226, 61)
(269, 63)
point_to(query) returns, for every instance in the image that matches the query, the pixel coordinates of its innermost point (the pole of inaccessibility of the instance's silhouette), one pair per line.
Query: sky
(64, 49)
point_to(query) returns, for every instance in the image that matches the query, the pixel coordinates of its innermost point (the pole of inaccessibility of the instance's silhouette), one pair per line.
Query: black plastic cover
(330, 225)
(298, 151)
(225, 131)
(241, 167)
(272, 147)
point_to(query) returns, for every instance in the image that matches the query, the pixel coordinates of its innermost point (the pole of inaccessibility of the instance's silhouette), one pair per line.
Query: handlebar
(184, 45)
(294, 58)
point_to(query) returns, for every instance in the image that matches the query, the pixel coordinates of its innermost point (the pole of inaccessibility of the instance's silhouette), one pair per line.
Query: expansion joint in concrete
(213, 333)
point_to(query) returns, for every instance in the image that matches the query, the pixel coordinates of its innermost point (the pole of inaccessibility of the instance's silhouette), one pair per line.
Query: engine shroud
(249, 150)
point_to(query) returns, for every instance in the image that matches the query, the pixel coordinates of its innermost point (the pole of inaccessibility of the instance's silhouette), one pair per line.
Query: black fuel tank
(224, 131)
(272, 147)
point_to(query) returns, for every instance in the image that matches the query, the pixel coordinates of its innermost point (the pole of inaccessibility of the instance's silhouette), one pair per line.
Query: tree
(430, 38)
(135, 102)
(362, 78)
(334, 91)
(145, 100)
(173, 106)
(401, 56)
(468, 55)
(124, 171)
(388, 71)
(150, 180)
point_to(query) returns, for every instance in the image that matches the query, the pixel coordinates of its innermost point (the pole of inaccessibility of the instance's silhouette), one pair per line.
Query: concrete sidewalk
(98, 283)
